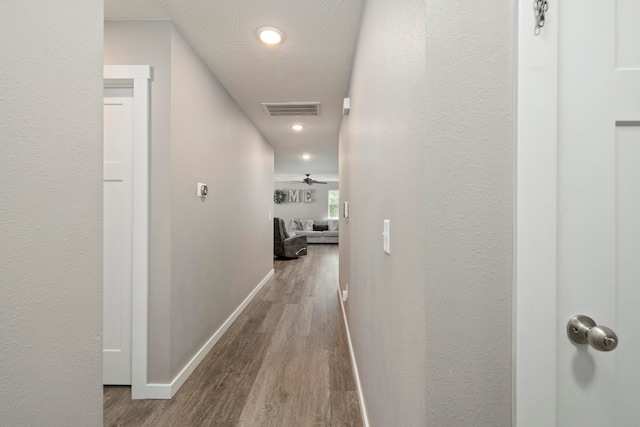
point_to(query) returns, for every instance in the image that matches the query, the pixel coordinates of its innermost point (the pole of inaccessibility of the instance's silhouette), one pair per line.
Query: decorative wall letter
(300, 196)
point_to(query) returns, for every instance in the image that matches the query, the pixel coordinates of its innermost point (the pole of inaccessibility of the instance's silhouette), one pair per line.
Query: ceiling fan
(308, 181)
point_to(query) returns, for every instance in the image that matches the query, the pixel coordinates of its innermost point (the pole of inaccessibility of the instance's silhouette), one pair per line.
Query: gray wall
(431, 129)
(149, 43)
(222, 247)
(470, 210)
(51, 213)
(318, 209)
(198, 134)
(382, 148)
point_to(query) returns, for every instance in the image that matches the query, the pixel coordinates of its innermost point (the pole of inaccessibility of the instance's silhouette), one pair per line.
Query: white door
(117, 287)
(587, 233)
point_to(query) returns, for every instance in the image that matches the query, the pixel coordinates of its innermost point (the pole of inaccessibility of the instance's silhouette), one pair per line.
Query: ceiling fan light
(270, 35)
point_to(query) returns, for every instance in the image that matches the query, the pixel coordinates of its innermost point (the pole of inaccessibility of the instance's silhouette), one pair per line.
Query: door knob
(583, 330)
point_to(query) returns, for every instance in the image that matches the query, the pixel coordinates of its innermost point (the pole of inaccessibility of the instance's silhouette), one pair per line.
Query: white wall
(51, 213)
(198, 134)
(318, 209)
(430, 129)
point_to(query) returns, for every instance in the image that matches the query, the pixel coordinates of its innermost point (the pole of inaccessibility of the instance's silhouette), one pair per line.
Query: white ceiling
(312, 64)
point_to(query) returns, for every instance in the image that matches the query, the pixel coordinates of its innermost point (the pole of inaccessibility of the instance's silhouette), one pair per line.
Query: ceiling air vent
(292, 108)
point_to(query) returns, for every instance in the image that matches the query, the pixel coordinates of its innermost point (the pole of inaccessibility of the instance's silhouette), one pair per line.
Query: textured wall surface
(51, 213)
(149, 43)
(198, 134)
(382, 176)
(344, 277)
(431, 130)
(222, 247)
(318, 209)
(469, 212)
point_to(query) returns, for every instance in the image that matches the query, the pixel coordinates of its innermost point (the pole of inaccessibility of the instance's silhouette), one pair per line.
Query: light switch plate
(386, 236)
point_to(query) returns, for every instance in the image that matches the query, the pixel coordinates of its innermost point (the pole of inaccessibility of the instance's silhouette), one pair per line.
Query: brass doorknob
(583, 330)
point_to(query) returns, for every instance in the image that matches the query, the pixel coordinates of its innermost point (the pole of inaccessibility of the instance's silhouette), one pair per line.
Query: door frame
(138, 77)
(535, 219)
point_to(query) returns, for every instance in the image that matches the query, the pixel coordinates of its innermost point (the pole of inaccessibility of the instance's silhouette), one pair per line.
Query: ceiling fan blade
(308, 180)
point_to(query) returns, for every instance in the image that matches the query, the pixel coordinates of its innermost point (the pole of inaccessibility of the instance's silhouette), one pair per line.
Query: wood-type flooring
(284, 362)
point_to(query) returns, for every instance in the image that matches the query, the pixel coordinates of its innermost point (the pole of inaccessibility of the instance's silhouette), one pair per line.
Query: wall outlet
(345, 293)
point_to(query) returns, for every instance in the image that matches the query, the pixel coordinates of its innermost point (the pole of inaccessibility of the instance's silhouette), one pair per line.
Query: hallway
(284, 362)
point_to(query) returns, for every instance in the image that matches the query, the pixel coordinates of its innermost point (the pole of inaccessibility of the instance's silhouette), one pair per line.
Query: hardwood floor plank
(272, 317)
(284, 361)
(313, 403)
(345, 409)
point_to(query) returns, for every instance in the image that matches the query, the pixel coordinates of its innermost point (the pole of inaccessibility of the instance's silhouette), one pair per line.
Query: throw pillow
(307, 224)
(334, 224)
(296, 224)
(320, 227)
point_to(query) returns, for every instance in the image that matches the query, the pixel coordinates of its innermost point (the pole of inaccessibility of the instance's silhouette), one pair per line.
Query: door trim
(535, 220)
(138, 77)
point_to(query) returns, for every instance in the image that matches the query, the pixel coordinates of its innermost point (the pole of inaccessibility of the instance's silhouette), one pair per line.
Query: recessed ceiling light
(270, 35)
(297, 127)
(306, 156)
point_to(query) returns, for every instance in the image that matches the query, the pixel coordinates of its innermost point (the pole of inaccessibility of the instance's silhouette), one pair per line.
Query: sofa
(316, 230)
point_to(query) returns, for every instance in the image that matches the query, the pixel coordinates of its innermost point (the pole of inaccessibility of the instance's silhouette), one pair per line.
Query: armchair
(284, 245)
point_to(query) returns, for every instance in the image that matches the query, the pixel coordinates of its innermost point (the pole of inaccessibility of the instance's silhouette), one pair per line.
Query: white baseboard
(167, 391)
(363, 406)
(152, 391)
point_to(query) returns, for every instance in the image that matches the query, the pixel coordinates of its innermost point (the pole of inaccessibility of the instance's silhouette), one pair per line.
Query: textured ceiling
(312, 64)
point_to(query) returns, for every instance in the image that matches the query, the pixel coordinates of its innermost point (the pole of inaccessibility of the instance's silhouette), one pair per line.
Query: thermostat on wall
(203, 190)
